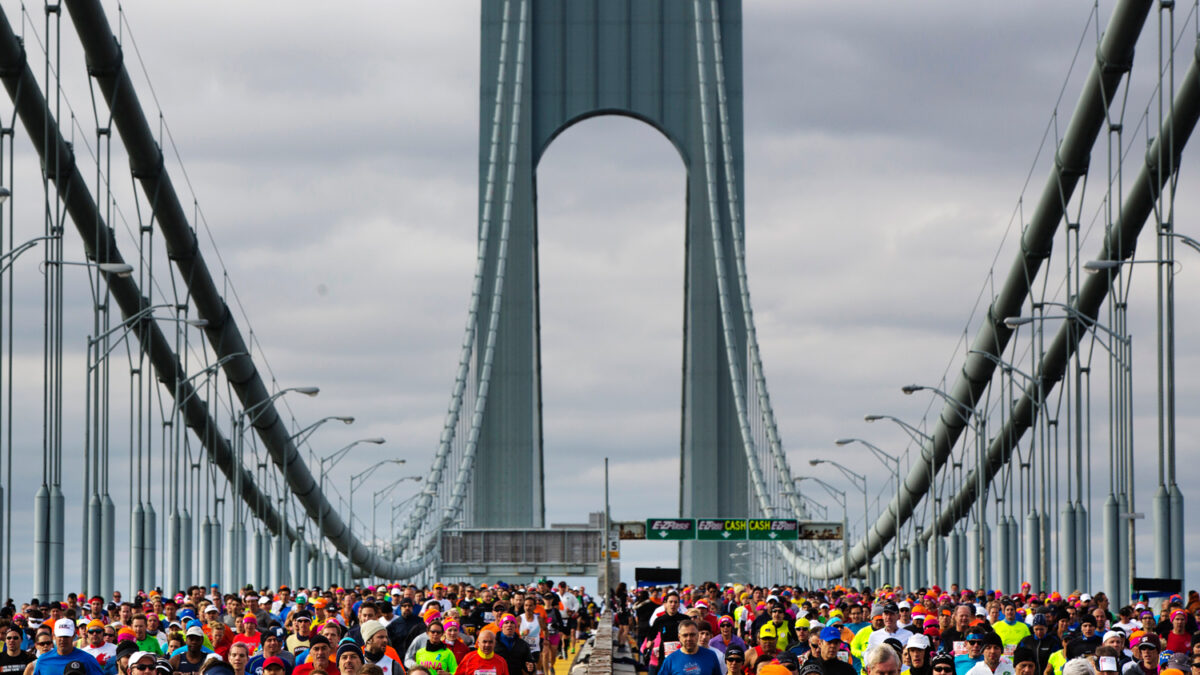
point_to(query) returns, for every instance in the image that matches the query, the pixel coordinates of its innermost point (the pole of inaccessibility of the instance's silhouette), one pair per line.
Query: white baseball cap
(138, 656)
(918, 641)
(64, 628)
(195, 630)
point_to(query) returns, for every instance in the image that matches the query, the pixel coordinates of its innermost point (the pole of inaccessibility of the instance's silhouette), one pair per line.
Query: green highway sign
(670, 529)
(718, 529)
(773, 529)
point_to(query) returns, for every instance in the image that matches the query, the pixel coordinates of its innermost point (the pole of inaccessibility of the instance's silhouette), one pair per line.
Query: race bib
(487, 671)
(1009, 650)
(844, 657)
(670, 648)
(960, 647)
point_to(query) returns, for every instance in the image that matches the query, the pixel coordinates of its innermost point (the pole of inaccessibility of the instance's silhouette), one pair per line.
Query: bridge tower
(545, 65)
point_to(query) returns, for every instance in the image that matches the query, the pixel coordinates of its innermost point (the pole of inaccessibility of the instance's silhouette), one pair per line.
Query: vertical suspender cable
(739, 394)
(425, 496)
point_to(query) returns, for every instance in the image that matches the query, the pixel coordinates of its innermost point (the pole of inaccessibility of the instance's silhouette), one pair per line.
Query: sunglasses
(436, 632)
(734, 660)
(141, 667)
(943, 669)
(974, 642)
(96, 631)
(12, 637)
(45, 643)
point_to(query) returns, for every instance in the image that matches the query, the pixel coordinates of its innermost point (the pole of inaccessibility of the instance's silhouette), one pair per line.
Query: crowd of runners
(531, 629)
(389, 629)
(746, 630)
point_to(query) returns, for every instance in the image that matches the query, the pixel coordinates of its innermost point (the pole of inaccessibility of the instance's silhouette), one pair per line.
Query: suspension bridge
(1023, 467)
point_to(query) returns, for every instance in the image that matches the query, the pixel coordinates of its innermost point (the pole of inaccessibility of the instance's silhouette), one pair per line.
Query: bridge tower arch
(545, 65)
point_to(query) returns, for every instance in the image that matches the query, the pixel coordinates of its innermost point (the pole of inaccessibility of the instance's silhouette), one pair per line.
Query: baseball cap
(918, 641)
(830, 634)
(138, 656)
(195, 631)
(64, 628)
(811, 668)
(768, 631)
(876, 610)
(735, 653)
(126, 648)
(273, 662)
(74, 668)
(787, 660)
(274, 632)
(943, 659)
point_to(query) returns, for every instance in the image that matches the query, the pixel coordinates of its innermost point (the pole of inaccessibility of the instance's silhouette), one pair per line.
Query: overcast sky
(333, 151)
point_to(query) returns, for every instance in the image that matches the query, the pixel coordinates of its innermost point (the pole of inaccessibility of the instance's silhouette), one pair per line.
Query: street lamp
(249, 415)
(852, 476)
(363, 475)
(333, 458)
(301, 436)
(1120, 439)
(884, 457)
(1168, 500)
(840, 495)
(96, 498)
(966, 413)
(121, 270)
(380, 494)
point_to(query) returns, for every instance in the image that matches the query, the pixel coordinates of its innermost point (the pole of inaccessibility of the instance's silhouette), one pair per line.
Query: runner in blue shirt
(66, 657)
(690, 659)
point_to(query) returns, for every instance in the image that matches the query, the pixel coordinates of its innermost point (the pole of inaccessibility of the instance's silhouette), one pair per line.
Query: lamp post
(332, 459)
(1120, 503)
(894, 467)
(1168, 499)
(850, 475)
(97, 574)
(922, 439)
(841, 496)
(966, 413)
(363, 475)
(379, 495)
(249, 415)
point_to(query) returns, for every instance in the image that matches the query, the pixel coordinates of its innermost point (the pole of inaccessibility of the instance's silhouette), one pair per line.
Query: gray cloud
(333, 151)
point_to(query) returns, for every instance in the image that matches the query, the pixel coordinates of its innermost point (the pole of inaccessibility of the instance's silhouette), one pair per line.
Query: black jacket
(515, 655)
(833, 666)
(1042, 649)
(401, 631)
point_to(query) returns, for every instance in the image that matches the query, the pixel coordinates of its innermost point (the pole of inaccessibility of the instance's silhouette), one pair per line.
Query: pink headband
(508, 619)
(450, 624)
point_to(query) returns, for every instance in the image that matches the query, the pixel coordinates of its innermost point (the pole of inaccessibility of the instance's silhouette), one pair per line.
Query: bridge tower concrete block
(584, 58)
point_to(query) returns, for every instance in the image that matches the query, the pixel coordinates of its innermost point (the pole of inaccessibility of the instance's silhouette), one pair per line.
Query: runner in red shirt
(483, 661)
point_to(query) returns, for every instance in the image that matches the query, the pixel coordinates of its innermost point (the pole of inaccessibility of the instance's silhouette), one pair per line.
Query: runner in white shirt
(96, 645)
(891, 628)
